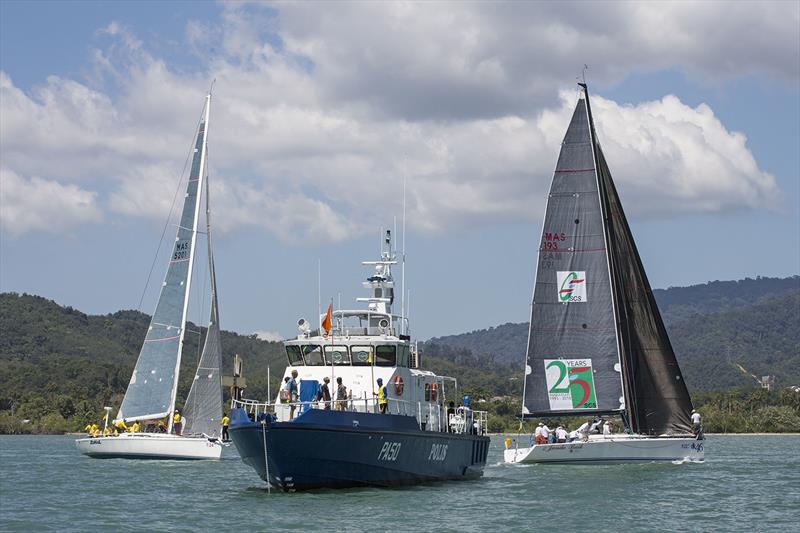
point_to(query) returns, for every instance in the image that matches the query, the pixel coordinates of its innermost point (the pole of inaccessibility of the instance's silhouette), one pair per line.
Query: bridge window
(312, 353)
(385, 356)
(294, 355)
(337, 355)
(362, 355)
(403, 357)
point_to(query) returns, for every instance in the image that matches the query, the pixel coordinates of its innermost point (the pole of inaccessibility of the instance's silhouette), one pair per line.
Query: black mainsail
(597, 343)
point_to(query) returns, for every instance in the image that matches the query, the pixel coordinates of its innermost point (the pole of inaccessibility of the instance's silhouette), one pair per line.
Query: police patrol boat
(597, 344)
(396, 425)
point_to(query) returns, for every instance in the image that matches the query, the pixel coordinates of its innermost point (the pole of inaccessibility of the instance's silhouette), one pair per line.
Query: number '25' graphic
(562, 385)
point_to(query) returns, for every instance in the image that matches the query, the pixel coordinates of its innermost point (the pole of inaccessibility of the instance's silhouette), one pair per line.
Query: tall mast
(612, 265)
(193, 242)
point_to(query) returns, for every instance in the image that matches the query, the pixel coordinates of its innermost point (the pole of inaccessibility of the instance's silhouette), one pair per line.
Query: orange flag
(326, 324)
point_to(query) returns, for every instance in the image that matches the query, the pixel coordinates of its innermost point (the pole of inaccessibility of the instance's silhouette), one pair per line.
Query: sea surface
(747, 483)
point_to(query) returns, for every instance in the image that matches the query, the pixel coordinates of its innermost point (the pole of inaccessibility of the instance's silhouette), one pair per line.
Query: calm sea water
(747, 483)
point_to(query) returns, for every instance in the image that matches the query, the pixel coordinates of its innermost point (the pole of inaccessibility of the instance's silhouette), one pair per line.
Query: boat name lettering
(438, 452)
(95, 441)
(698, 446)
(389, 451)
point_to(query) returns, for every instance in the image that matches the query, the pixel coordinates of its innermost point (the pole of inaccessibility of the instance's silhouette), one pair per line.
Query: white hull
(612, 450)
(149, 446)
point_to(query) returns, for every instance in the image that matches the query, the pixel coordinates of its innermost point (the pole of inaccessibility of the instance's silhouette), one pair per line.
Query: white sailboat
(153, 387)
(597, 344)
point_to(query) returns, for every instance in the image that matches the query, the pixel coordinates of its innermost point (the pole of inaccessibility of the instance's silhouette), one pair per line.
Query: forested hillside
(59, 367)
(753, 322)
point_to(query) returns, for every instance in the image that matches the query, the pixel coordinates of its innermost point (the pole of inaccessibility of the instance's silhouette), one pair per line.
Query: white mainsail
(153, 385)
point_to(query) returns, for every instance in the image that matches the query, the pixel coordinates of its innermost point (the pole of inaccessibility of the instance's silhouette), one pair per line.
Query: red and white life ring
(398, 385)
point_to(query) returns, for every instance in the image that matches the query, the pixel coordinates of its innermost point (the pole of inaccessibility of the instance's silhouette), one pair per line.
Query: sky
(322, 111)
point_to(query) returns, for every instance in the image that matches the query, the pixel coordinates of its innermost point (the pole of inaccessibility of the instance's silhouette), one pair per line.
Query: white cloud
(271, 336)
(320, 112)
(38, 204)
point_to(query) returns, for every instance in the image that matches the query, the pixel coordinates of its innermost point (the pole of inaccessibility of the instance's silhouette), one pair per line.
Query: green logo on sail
(571, 286)
(570, 384)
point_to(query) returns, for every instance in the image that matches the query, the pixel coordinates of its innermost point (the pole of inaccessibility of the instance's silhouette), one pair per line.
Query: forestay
(151, 392)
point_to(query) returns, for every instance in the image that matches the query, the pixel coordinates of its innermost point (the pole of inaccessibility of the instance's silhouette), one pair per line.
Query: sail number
(181, 251)
(389, 451)
(438, 452)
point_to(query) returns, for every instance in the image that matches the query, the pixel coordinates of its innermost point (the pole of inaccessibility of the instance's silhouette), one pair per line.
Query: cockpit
(315, 354)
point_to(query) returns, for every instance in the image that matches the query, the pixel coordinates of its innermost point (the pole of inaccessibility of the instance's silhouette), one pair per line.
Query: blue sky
(321, 110)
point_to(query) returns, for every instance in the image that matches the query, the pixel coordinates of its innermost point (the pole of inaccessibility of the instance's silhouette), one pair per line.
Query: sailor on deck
(561, 434)
(607, 429)
(583, 431)
(546, 434)
(595, 425)
(383, 396)
(538, 434)
(225, 422)
(696, 427)
(176, 422)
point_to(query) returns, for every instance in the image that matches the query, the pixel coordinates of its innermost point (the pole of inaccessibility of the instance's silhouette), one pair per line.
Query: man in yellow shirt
(120, 426)
(176, 422)
(225, 422)
(135, 427)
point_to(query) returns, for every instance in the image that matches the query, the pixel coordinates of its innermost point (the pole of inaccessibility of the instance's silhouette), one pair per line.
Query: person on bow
(293, 394)
(383, 396)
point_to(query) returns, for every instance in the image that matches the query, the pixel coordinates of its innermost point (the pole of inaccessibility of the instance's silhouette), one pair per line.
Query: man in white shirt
(695, 422)
(538, 434)
(583, 431)
(546, 434)
(607, 429)
(561, 434)
(595, 425)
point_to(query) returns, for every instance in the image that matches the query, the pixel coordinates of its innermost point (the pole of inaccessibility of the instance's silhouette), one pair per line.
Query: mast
(192, 245)
(611, 261)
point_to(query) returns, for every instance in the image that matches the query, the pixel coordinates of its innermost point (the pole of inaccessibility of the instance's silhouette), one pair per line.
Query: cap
(540, 423)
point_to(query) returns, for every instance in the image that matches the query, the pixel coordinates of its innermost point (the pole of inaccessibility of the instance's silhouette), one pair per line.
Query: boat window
(337, 354)
(312, 353)
(402, 360)
(385, 356)
(362, 355)
(294, 355)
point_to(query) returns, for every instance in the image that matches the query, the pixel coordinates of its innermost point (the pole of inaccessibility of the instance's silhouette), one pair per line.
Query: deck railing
(430, 416)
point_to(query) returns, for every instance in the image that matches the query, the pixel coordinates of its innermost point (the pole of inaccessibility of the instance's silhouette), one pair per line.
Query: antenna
(319, 293)
(583, 73)
(403, 268)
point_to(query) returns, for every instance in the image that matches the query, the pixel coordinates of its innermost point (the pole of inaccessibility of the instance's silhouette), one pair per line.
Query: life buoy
(433, 392)
(398, 385)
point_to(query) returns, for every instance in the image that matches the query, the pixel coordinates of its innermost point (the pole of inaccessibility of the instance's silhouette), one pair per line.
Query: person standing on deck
(561, 434)
(341, 395)
(225, 422)
(325, 393)
(696, 427)
(583, 431)
(176, 422)
(383, 397)
(293, 394)
(538, 434)
(546, 434)
(607, 429)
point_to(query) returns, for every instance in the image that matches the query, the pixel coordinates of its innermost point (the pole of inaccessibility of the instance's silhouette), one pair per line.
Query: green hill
(59, 366)
(714, 326)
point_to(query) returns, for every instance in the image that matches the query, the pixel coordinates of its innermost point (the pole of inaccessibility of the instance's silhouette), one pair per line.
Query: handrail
(438, 418)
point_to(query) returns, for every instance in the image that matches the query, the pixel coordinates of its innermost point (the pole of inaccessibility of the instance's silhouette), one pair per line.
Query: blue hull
(330, 449)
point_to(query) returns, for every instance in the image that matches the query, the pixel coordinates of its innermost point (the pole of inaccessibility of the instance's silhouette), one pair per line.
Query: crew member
(225, 422)
(695, 422)
(538, 434)
(561, 434)
(383, 397)
(293, 394)
(583, 431)
(120, 426)
(135, 427)
(176, 422)
(341, 395)
(607, 429)
(508, 442)
(325, 393)
(546, 434)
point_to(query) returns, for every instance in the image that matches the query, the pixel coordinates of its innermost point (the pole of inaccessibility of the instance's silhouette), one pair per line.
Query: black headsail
(594, 322)
(657, 399)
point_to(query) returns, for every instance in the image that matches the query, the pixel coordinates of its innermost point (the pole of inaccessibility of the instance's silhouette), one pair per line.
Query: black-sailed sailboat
(597, 344)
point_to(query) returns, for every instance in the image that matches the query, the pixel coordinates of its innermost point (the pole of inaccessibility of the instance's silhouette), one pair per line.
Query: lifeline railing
(430, 416)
